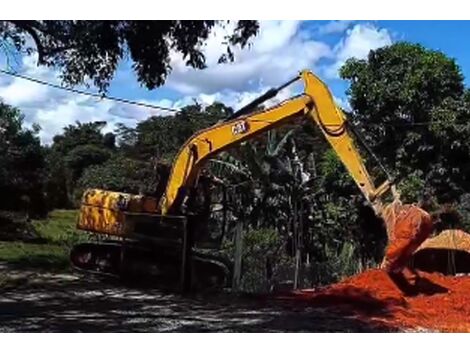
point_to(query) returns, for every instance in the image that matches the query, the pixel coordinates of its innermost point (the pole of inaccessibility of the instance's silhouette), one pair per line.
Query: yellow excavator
(157, 235)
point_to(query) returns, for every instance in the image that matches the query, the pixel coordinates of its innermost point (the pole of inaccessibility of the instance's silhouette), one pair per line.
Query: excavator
(156, 235)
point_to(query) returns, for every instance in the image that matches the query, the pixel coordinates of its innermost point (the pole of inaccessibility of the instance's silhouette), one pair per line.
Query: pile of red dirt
(394, 297)
(429, 301)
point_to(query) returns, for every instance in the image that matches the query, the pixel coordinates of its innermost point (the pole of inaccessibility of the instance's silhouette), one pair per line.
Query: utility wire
(90, 94)
(151, 106)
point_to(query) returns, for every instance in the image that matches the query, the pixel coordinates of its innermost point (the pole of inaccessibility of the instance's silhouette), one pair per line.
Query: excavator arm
(316, 102)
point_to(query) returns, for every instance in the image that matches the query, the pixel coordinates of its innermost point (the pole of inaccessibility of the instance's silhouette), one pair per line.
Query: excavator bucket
(408, 226)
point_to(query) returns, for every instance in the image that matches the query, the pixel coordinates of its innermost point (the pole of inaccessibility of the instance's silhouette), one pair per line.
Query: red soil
(430, 301)
(395, 297)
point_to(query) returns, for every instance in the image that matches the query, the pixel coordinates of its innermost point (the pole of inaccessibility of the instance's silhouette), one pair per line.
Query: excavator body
(150, 230)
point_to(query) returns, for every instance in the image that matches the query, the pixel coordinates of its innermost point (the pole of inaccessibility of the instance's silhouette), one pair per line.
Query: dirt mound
(431, 301)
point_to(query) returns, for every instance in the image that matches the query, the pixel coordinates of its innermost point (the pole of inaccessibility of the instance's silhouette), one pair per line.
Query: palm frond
(232, 166)
(280, 145)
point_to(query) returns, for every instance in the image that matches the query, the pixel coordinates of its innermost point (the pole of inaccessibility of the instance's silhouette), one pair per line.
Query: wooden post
(296, 244)
(238, 256)
(186, 262)
(224, 212)
(122, 268)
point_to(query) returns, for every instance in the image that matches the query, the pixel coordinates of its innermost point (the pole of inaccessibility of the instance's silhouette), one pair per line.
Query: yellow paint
(103, 220)
(332, 123)
(119, 201)
(104, 211)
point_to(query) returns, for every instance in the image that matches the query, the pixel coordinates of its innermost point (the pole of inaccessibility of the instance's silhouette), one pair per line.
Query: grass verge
(59, 228)
(50, 250)
(34, 256)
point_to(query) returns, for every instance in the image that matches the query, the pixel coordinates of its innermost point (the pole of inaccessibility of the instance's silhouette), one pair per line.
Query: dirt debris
(432, 302)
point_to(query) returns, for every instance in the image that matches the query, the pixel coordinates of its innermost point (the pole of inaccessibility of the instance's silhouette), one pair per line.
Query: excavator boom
(316, 102)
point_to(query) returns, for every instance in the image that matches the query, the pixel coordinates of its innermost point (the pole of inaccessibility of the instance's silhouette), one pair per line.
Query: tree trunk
(297, 269)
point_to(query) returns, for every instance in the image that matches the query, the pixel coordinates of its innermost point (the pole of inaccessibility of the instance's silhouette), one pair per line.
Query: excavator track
(154, 265)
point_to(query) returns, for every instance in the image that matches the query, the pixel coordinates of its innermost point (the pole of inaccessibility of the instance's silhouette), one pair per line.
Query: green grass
(55, 237)
(59, 228)
(35, 256)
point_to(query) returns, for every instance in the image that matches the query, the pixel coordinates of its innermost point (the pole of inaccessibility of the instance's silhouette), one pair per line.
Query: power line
(151, 106)
(90, 94)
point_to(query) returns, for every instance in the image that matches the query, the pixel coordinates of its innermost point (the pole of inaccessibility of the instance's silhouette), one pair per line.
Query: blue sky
(449, 37)
(280, 50)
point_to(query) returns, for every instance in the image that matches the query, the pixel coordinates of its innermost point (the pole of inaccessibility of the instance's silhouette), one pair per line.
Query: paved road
(42, 302)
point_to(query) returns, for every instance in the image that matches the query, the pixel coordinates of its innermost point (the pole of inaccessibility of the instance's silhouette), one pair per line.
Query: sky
(281, 49)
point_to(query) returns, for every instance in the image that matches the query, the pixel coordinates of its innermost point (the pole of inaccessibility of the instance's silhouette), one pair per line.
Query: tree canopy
(83, 50)
(21, 163)
(411, 104)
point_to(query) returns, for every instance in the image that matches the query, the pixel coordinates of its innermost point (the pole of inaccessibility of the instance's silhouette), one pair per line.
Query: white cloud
(334, 27)
(357, 43)
(19, 92)
(342, 103)
(53, 109)
(237, 100)
(24, 93)
(53, 118)
(277, 53)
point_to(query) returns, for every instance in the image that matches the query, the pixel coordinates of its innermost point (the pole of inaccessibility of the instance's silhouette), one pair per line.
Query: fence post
(186, 262)
(238, 256)
(298, 256)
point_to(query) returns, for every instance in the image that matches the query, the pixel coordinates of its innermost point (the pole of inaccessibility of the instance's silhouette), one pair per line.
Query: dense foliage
(21, 163)
(411, 104)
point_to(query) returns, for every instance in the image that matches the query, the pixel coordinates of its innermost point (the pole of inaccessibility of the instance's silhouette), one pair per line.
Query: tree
(412, 107)
(22, 162)
(291, 182)
(71, 153)
(55, 180)
(92, 50)
(81, 134)
(82, 157)
(120, 174)
(161, 137)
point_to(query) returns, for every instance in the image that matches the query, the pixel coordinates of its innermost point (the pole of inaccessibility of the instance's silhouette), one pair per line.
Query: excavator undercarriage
(141, 245)
(160, 265)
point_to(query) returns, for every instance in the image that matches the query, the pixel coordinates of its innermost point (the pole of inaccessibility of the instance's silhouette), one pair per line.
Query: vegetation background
(287, 191)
